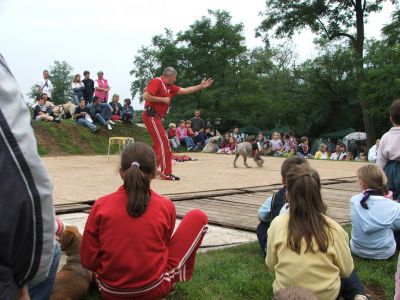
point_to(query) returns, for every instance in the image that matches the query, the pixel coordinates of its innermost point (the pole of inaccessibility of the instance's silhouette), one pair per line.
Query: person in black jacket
(273, 205)
(89, 87)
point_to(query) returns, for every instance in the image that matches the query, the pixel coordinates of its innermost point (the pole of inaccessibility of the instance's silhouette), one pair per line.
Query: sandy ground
(80, 178)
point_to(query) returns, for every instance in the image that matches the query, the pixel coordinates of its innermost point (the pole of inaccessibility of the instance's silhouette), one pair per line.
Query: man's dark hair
(395, 111)
(85, 73)
(290, 162)
(95, 99)
(127, 100)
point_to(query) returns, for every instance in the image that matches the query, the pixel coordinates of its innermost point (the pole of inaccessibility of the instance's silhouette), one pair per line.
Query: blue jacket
(372, 228)
(100, 107)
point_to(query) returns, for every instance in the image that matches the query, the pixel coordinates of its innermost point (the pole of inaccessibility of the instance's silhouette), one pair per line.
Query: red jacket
(157, 87)
(127, 252)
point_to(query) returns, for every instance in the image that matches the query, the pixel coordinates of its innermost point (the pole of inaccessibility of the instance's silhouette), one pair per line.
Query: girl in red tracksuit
(129, 241)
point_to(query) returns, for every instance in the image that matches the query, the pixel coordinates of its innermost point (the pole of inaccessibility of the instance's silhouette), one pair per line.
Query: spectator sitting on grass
(262, 143)
(182, 134)
(41, 113)
(375, 219)
(209, 134)
(198, 126)
(235, 134)
(228, 145)
(191, 134)
(322, 153)
(349, 156)
(82, 116)
(116, 108)
(339, 154)
(373, 151)
(307, 237)
(273, 205)
(290, 144)
(276, 145)
(101, 113)
(303, 149)
(127, 111)
(172, 138)
(389, 151)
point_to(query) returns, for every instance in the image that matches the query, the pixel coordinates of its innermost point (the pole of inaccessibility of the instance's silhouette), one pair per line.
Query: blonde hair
(322, 145)
(171, 125)
(373, 178)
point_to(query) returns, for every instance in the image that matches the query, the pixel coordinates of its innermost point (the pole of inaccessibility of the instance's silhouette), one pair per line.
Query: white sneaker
(109, 127)
(111, 122)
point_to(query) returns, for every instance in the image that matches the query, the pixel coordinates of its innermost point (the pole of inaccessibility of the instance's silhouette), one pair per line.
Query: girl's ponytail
(138, 165)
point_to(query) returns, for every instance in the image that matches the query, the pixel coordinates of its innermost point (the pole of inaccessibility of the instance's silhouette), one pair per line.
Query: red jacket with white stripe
(124, 251)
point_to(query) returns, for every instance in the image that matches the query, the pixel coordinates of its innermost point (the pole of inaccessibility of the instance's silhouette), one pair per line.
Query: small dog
(73, 281)
(211, 146)
(248, 149)
(65, 111)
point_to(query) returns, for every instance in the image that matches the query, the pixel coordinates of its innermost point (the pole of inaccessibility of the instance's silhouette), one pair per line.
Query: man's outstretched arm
(193, 89)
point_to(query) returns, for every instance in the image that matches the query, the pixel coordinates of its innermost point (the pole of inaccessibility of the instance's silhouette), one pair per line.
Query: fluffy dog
(65, 111)
(211, 146)
(248, 149)
(73, 281)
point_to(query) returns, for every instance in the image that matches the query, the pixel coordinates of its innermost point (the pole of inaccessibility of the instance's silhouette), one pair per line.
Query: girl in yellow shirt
(308, 249)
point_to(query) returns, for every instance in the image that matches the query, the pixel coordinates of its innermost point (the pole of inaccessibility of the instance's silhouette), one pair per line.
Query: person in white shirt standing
(373, 151)
(44, 86)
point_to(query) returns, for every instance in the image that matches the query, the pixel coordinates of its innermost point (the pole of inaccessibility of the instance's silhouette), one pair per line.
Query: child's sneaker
(168, 177)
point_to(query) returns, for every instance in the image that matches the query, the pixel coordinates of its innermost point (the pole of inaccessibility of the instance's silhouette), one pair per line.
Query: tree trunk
(359, 56)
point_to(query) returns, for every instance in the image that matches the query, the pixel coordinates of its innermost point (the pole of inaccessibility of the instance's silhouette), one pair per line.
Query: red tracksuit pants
(182, 251)
(156, 130)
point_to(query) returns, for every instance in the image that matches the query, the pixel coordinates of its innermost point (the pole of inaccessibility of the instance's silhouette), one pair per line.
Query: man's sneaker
(109, 127)
(168, 177)
(111, 122)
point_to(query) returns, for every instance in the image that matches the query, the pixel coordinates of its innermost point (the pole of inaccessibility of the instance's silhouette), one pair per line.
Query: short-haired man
(158, 94)
(198, 127)
(89, 87)
(44, 85)
(101, 113)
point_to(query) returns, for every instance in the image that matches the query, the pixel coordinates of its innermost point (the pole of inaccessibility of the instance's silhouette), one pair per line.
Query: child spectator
(348, 156)
(322, 153)
(262, 142)
(373, 217)
(101, 112)
(307, 237)
(389, 151)
(209, 134)
(192, 134)
(339, 154)
(235, 134)
(228, 145)
(172, 138)
(127, 111)
(182, 134)
(373, 151)
(273, 205)
(290, 144)
(303, 149)
(82, 116)
(129, 239)
(116, 108)
(77, 87)
(41, 113)
(276, 145)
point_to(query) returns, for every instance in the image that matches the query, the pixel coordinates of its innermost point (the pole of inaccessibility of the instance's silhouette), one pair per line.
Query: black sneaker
(169, 177)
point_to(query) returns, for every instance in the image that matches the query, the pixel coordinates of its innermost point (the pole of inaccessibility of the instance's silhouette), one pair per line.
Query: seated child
(340, 152)
(182, 133)
(277, 147)
(209, 134)
(389, 151)
(303, 149)
(307, 249)
(290, 144)
(129, 239)
(349, 156)
(228, 145)
(373, 217)
(322, 153)
(273, 205)
(172, 138)
(127, 111)
(41, 113)
(116, 108)
(82, 116)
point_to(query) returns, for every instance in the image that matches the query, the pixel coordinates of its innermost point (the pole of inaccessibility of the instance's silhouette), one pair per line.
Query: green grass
(240, 273)
(69, 138)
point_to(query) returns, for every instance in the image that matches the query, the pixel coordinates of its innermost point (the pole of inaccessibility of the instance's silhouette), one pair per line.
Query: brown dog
(73, 281)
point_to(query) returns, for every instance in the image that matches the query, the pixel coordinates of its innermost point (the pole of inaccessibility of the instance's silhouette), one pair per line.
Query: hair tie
(366, 195)
(135, 164)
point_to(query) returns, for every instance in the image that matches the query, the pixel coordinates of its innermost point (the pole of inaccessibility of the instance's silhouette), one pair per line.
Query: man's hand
(166, 100)
(206, 83)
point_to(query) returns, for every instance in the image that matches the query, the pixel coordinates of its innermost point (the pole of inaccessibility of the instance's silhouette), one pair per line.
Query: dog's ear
(66, 241)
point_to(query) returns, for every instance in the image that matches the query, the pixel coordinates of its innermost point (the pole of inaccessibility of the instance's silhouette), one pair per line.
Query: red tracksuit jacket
(127, 252)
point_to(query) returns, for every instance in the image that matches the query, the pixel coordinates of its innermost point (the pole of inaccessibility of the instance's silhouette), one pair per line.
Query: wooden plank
(246, 201)
(349, 186)
(203, 194)
(72, 208)
(260, 188)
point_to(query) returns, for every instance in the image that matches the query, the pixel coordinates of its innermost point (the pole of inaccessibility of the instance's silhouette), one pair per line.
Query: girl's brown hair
(138, 163)
(374, 181)
(306, 211)
(75, 77)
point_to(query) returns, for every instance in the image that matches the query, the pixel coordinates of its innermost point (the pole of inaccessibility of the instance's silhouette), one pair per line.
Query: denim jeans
(78, 95)
(188, 141)
(42, 290)
(99, 118)
(106, 113)
(200, 138)
(84, 122)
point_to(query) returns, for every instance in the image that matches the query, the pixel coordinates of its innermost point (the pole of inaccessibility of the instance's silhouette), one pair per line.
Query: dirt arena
(82, 178)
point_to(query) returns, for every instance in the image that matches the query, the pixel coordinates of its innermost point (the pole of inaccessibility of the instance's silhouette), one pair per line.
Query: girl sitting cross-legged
(129, 239)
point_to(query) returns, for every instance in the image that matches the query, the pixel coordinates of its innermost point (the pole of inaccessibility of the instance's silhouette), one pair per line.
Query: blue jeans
(42, 290)
(99, 118)
(84, 122)
(200, 138)
(188, 141)
(78, 95)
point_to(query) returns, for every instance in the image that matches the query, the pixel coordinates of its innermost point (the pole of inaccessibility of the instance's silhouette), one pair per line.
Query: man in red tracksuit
(158, 94)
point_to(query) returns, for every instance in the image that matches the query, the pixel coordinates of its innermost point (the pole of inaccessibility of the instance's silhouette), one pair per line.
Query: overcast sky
(105, 35)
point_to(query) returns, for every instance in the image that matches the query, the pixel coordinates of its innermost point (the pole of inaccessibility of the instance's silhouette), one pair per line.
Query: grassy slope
(68, 137)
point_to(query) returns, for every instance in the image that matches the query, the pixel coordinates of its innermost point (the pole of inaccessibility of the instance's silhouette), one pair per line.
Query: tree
(331, 20)
(61, 77)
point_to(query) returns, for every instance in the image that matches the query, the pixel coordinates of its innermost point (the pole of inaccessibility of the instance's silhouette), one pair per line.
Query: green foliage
(61, 77)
